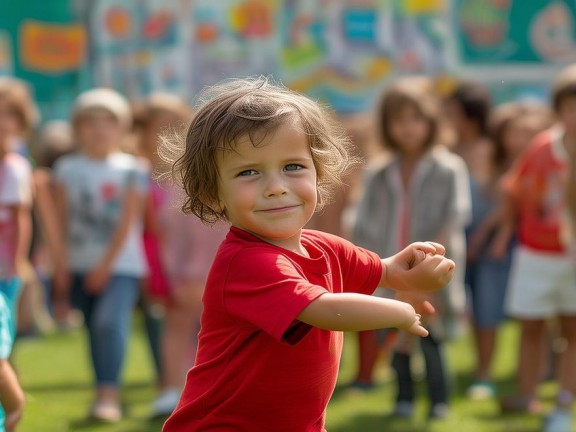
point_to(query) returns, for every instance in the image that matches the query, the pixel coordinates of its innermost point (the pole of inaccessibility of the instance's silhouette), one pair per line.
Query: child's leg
(109, 328)
(567, 360)
(530, 361)
(405, 383)
(436, 377)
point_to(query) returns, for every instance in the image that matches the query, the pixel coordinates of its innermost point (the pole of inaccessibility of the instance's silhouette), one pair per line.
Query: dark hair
(564, 86)
(475, 101)
(416, 92)
(249, 107)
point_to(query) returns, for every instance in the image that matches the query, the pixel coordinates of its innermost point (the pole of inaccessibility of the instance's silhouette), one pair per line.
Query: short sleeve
(265, 290)
(139, 176)
(16, 182)
(361, 269)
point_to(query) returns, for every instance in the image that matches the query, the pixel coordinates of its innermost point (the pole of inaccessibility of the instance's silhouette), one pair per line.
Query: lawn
(55, 375)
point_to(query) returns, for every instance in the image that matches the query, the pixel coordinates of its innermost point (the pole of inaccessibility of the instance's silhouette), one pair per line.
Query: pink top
(15, 190)
(186, 246)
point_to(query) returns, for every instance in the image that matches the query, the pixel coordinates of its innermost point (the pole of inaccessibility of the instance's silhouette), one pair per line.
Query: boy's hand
(97, 279)
(419, 302)
(416, 327)
(418, 267)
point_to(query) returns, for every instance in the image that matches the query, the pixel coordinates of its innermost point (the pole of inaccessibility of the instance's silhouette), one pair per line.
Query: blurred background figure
(179, 248)
(100, 196)
(421, 193)
(511, 129)
(16, 122)
(53, 140)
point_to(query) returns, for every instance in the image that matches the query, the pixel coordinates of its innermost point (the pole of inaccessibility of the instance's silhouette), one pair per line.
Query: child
(180, 250)
(100, 195)
(15, 232)
(512, 127)
(278, 297)
(542, 277)
(421, 193)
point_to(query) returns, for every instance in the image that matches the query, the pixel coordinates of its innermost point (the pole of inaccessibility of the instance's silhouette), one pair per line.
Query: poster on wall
(508, 31)
(140, 46)
(344, 52)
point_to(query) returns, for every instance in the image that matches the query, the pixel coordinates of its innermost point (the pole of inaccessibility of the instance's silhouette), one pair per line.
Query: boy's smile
(269, 189)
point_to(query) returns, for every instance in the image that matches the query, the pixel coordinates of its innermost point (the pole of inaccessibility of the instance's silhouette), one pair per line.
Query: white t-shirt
(15, 189)
(95, 191)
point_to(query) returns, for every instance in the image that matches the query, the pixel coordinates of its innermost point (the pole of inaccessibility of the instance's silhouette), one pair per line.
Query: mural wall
(339, 51)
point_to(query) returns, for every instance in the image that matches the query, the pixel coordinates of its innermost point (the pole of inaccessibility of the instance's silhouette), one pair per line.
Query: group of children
(437, 230)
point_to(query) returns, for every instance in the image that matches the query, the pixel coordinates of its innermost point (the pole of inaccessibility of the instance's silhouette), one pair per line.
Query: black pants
(436, 378)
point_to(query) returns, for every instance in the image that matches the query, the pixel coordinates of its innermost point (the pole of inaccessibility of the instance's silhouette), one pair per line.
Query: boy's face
(567, 114)
(269, 190)
(10, 124)
(98, 131)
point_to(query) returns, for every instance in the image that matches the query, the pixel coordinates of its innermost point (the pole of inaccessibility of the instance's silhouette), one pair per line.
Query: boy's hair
(475, 101)
(17, 94)
(254, 107)
(53, 141)
(145, 111)
(564, 86)
(103, 98)
(504, 115)
(416, 92)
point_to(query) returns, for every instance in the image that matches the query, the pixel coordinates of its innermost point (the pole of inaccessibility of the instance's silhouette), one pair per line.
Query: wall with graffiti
(340, 51)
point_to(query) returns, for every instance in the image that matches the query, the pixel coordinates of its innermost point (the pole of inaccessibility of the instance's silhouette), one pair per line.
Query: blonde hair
(249, 107)
(18, 96)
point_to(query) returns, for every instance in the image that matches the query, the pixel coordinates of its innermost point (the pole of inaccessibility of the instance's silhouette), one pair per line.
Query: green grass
(56, 377)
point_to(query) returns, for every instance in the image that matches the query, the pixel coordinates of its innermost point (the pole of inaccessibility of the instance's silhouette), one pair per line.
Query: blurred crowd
(91, 232)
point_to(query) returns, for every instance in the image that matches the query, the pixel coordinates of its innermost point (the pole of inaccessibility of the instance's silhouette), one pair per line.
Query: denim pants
(436, 378)
(108, 318)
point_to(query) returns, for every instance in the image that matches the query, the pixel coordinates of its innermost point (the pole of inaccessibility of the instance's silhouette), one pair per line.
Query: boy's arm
(133, 205)
(11, 395)
(358, 312)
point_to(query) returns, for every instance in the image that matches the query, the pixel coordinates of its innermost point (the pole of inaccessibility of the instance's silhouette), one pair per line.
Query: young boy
(278, 296)
(542, 281)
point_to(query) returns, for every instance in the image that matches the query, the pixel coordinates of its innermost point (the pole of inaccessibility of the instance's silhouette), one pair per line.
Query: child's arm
(61, 276)
(359, 312)
(11, 395)
(22, 216)
(98, 277)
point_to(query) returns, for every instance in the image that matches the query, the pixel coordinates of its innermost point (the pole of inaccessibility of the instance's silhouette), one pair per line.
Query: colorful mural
(339, 51)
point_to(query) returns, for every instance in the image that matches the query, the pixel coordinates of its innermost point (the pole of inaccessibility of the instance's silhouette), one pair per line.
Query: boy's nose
(275, 185)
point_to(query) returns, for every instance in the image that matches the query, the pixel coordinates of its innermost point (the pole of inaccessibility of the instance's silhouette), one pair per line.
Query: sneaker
(403, 409)
(481, 390)
(165, 403)
(109, 412)
(439, 411)
(360, 387)
(558, 421)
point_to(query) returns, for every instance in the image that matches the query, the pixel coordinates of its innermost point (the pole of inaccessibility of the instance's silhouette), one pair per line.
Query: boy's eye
(246, 173)
(293, 167)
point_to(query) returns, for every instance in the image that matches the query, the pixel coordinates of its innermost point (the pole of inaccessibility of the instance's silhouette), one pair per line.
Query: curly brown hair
(250, 107)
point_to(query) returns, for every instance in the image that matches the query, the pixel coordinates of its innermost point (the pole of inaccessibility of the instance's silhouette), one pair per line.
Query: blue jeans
(108, 318)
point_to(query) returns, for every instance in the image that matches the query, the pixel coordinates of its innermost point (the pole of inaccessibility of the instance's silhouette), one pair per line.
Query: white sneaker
(558, 421)
(109, 412)
(166, 403)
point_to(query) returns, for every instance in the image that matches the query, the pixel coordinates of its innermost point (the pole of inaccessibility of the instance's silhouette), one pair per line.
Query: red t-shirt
(537, 185)
(258, 368)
